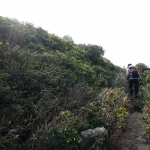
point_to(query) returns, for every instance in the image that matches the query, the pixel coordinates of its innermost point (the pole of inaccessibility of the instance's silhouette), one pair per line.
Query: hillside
(51, 89)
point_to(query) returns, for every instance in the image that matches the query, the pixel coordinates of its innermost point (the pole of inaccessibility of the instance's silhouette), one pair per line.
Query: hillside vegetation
(51, 89)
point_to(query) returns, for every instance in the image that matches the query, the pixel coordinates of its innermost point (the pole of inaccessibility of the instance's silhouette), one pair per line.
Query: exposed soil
(134, 139)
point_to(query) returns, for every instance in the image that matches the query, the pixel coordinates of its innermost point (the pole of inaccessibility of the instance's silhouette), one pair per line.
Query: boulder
(88, 137)
(68, 37)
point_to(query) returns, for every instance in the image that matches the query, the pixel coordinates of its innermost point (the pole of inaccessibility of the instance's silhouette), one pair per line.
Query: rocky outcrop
(88, 137)
(68, 37)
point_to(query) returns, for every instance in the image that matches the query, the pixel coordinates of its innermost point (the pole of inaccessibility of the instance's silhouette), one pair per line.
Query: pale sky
(121, 27)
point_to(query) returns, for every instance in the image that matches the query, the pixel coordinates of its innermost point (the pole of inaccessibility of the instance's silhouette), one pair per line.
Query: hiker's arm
(127, 75)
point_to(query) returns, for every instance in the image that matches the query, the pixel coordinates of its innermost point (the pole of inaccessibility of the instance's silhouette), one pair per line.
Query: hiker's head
(129, 65)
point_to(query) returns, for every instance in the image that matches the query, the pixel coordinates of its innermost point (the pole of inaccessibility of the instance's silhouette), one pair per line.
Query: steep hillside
(51, 89)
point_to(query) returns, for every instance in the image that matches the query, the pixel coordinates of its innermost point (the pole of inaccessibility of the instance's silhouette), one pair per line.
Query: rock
(68, 37)
(88, 137)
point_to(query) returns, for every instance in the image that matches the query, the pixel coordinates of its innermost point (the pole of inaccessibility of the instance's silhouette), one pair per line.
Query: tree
(141, 67)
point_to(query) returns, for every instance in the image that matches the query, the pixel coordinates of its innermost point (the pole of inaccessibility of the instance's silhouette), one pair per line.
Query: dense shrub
(51, 89)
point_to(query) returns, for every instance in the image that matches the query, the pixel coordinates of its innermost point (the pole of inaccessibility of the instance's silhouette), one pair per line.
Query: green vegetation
(51, 89)
(144, 100)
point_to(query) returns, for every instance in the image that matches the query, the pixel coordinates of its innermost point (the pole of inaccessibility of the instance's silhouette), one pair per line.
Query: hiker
(133, 79)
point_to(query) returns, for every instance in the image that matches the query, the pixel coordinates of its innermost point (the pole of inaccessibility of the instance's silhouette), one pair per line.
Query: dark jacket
(129, 74)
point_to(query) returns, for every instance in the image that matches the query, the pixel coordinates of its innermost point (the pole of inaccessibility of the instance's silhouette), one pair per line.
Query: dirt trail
(135, 132)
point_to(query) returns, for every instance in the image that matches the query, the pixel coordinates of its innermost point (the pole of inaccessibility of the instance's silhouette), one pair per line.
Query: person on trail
(133, 79)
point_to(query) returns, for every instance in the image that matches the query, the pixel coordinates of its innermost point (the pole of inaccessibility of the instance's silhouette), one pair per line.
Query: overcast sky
(121, 27)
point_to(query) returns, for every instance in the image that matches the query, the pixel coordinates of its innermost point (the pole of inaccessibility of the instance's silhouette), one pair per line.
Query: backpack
(133, 72)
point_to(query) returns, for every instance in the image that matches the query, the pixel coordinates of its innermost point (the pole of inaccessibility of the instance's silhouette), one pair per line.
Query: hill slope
(51, 89)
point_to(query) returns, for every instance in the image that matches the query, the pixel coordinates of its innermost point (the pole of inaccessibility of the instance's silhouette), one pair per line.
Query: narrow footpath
(135, 132)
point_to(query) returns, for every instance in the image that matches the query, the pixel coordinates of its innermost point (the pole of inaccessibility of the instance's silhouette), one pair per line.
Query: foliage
(61, 138)
(141, 68)
(51, 89)
(146, 119)
(146, 107)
